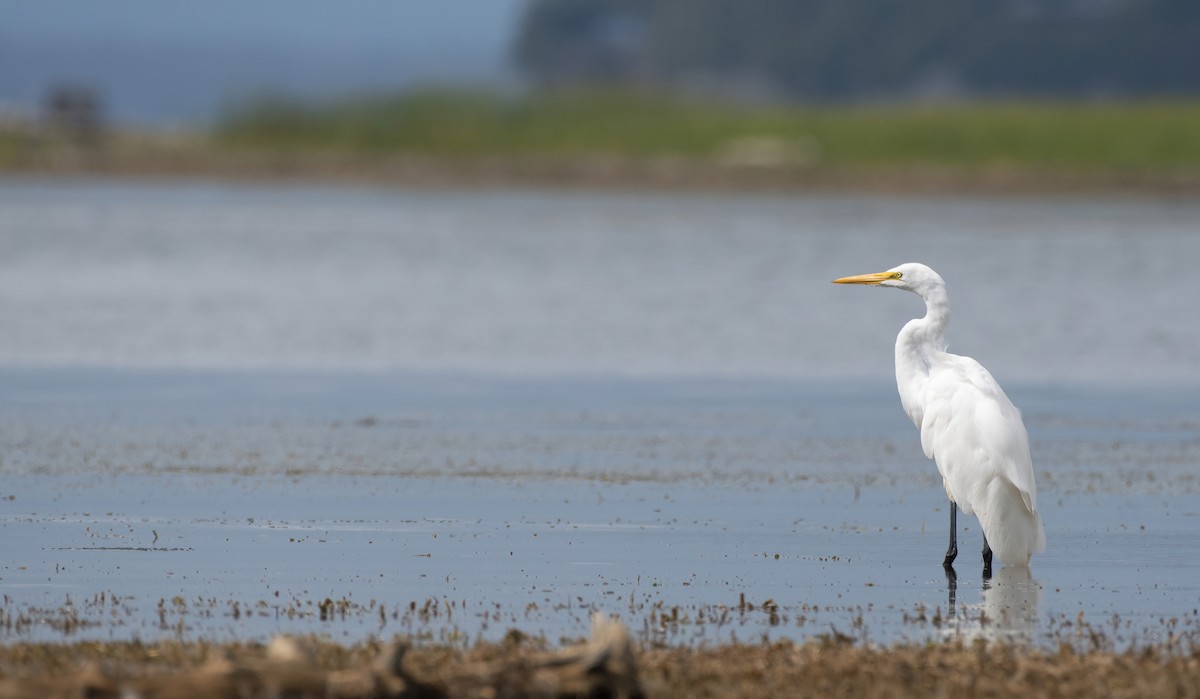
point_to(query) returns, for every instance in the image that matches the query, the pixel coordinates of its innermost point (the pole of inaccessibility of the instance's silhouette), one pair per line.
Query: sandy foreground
(609, 664)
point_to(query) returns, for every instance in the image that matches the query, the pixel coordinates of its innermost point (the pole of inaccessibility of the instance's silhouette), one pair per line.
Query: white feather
(969, 427)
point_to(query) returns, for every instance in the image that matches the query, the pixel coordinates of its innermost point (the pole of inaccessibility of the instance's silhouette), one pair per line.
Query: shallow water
(455, 509)
(494, 554)
(232, 412)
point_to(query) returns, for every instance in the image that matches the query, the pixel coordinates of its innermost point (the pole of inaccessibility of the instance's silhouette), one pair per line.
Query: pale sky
(169, 61)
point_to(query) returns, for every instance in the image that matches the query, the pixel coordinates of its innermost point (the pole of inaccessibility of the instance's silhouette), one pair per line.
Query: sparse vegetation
(636, 139)
(1072, 136)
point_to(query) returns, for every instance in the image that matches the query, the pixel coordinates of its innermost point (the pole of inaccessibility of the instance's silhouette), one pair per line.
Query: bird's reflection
(951, 590)
(1007, 612)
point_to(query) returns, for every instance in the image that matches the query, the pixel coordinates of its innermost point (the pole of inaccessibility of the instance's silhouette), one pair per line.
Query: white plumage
(969, 427)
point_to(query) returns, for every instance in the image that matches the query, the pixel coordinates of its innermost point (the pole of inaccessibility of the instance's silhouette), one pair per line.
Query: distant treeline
(852, 49)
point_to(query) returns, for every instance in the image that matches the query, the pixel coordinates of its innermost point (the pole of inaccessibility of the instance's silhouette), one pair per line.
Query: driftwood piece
(603, 667)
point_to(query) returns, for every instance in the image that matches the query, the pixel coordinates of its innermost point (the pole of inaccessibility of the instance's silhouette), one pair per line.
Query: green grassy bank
(623, 139)
(1126, 137)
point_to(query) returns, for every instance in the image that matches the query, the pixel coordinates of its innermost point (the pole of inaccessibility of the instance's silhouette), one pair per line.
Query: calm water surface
(527, 282)
(454, 413)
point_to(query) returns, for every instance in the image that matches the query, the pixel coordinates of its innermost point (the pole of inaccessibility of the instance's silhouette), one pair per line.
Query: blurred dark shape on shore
(755, 50)
(76, 114)
(69, 133)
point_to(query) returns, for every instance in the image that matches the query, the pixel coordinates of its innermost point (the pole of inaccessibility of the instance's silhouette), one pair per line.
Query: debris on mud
(297, 667)
(607, 665)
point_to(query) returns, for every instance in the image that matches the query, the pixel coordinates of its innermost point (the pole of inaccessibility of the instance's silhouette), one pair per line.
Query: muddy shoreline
(607, 665)
(599, 172)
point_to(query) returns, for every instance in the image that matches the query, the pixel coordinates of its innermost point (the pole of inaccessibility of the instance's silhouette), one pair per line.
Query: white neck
(918, 346)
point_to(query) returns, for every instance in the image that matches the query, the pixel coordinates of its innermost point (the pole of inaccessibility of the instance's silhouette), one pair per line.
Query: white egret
(968, 426)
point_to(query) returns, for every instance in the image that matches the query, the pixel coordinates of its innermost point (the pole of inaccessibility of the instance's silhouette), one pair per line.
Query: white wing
(974, 434)
(976, 437)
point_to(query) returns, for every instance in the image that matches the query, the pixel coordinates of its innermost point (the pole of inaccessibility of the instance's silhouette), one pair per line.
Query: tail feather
(1013, 531)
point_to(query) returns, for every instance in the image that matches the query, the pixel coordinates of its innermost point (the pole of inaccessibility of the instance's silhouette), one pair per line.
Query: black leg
(987, 560)
(952, 552)
(952, 590)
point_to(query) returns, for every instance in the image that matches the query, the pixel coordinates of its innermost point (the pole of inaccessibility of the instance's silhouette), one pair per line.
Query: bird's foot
(987, 562)
(951, 554)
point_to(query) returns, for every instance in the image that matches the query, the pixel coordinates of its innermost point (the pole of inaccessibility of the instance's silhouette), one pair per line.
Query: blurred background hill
(856, 49)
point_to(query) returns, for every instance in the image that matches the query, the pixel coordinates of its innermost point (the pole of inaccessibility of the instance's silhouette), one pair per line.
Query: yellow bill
(873, 278)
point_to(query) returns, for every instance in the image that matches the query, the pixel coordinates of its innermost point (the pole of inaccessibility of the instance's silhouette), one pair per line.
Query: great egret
(968, 426)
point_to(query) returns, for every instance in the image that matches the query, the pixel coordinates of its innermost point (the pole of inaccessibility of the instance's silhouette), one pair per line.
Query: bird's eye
(897, 275)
